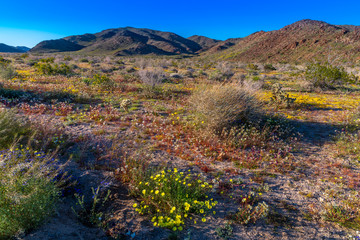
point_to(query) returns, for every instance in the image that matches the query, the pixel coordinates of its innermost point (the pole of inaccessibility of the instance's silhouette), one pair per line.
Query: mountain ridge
(301, 41)
(11, 49)
(304, 40)
(123, 41)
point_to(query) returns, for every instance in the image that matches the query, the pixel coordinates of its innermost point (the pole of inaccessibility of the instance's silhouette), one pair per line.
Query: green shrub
(67, 58)
(269, 67)
(328, 76)
(253, 67)
(47, 60)
(46, 68)
(28, 192)
(7, 72)
(100, 80)
(4, 62)
(11, 127)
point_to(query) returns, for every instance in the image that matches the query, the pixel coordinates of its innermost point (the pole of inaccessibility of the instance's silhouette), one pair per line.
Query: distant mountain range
(127, 41)
(11, 49)
(302, 41)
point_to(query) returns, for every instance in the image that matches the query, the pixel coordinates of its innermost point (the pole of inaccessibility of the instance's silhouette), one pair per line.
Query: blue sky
(24, 22)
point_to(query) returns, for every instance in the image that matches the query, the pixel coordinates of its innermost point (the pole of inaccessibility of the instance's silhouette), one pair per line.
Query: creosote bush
(328, 76)
(47, 68)
(224, 106)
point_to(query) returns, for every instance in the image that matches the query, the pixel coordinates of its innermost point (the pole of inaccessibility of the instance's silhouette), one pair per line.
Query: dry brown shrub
(227, 105)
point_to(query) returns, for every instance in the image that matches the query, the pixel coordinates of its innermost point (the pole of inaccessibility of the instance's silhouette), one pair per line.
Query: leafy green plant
(28, 189)
(328, 76)
(340, 214)
(225, 232)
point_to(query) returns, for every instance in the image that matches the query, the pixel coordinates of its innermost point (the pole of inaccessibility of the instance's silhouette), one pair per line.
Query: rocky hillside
(302, 41)
(122, 41)
(204, 42)
(11, 49)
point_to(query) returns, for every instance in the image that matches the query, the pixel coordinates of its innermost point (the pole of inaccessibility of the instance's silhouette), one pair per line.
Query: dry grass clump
(11, 127)
(151, 77)
(224, 106)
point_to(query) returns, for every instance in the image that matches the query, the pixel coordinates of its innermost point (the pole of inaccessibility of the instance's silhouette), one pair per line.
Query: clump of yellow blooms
(169, 197)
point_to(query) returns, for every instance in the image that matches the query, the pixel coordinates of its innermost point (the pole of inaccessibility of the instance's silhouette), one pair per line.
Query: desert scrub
(102, 81)
(28, 191)
(338, 205)
(248, 212)
(11, 127)
(223, 106)
(223, 72)
(47, 68)
(7, 72)
(347, 145)
(170, 197)
(151, 82)
(328, 76)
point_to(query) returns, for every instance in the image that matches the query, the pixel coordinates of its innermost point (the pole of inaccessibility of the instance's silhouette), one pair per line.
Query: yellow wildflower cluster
(320, 100)
(171, 196)
(71, 89)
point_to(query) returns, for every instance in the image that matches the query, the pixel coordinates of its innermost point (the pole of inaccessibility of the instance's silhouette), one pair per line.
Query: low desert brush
(225, 106)
(248, 212)
(11, 127)
(151, 82)
(28, 189)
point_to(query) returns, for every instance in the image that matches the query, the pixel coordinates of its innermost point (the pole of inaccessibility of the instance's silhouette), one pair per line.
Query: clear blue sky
(24, 22)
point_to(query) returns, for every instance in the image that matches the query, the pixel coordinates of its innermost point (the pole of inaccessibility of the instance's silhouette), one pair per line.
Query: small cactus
(125, 104)
(280, 97)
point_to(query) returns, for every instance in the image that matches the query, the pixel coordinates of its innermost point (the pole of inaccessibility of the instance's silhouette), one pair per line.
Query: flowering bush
(170, 197)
